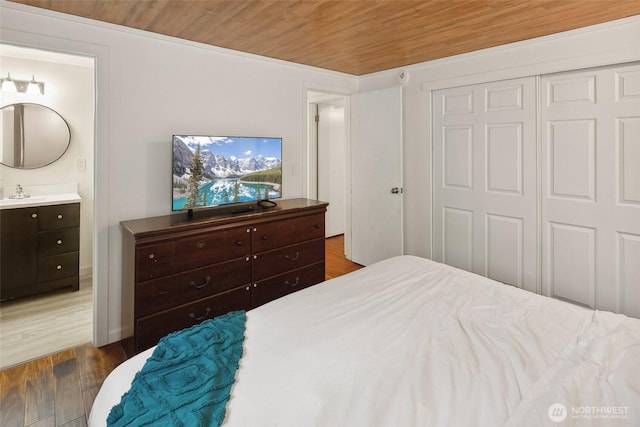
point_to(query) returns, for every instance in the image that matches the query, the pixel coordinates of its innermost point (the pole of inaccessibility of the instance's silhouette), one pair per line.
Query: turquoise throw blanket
(188, 378)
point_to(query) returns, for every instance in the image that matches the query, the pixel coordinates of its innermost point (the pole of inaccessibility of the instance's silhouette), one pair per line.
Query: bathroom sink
(52, 199)
(26, 200)
(23, 200)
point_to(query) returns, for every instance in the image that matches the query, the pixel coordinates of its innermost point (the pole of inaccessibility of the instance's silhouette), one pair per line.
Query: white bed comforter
(411, 342)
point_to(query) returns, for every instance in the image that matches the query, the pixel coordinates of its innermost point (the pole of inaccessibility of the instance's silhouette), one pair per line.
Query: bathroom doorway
(328, 157)
(38, 325)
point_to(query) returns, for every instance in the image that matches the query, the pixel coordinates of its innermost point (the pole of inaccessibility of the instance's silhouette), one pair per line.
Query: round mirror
(33, 136)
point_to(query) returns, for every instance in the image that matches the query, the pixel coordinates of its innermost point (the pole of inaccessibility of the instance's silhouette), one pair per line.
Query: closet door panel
(572, 263)
(629, 272)
(457, 244)
(458, 157)
(572, 159)
(504, 251)
(485, 180)
(565, 91)
(504, 158)
(590, 142)
(629, 159)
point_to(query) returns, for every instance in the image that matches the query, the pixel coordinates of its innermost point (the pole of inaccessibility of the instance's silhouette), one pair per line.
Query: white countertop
(43, 200)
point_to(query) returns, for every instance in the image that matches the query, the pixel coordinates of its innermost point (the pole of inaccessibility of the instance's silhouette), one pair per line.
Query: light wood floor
(36, 326)
(59, 389)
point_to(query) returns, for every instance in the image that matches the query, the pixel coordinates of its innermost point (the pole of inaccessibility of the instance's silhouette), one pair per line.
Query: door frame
(314, 95)
(99, 56)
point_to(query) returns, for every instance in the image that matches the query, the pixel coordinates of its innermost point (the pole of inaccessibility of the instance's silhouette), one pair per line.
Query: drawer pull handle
(34, 215)
(293, 285)
(201, 285)
(58, 267)
(59, 242)
(318, 226)
(59, 216)
(293, 257)
(206, 314)
(264, 237)
(239, 242)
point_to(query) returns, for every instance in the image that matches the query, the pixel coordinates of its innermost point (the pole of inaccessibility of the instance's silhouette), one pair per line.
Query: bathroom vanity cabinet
(39, 249)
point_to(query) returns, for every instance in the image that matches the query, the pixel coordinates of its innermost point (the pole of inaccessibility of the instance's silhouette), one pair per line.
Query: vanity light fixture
(30, 87)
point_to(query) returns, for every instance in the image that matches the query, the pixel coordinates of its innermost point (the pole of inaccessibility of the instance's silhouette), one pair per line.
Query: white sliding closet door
(485, 182)
(590, 195)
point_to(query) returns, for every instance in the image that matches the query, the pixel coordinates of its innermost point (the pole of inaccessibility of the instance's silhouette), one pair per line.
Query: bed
(411, 342)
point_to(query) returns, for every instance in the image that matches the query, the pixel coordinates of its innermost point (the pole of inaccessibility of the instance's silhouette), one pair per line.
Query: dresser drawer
(278, 261)
(315, 227)
(267, 290)
(58, 266)
(238, 243)
(150, 329)
(58, 241)
(153, 261)
(170, 291)
(208, 248)
(283, 233)
(199, 250)
(59, 216)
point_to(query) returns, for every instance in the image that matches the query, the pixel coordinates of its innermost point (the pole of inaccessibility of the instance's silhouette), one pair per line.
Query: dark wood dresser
(185, 270)
(39, 249)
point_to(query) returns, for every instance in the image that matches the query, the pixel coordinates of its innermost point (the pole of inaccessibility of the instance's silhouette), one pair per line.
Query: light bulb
(33, 88)
(8, 85)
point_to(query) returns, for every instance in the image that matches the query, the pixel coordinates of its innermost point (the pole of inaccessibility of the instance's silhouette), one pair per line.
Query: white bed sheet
(411, 342)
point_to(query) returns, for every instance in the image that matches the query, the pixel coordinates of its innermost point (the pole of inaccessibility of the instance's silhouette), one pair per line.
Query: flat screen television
(213, 171)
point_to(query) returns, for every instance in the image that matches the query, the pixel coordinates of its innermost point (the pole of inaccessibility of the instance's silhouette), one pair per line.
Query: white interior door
(590, 134)
(376, 175)
(484, 180)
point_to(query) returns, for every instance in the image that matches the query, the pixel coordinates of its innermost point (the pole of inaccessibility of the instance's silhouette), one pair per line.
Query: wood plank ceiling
(351, 36)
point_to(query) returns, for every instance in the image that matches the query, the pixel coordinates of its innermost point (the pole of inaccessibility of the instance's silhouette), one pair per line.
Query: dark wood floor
(59, 389)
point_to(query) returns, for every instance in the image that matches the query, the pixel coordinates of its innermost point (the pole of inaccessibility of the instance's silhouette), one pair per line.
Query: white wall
(609, 43)
(69, 91)
(150, 87)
